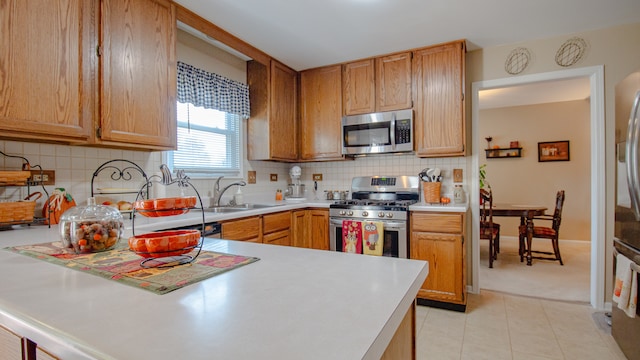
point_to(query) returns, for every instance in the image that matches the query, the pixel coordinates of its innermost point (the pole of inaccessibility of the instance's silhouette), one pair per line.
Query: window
(209, 110)
(208, 142)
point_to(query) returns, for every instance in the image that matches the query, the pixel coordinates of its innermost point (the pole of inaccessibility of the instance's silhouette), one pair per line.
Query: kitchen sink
(236, 208)
(252, 206)
(223, 209)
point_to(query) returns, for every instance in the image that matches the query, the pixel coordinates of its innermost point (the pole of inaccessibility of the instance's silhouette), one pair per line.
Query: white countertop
(451, 207)
(291, 304)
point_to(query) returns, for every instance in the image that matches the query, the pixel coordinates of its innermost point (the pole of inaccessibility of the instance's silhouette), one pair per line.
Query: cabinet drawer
(242, 229)
(437, 222)
(275, 222)
(278, 238)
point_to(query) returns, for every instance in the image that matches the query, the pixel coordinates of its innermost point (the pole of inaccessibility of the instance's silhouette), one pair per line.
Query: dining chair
(543, 232)
(488, 229)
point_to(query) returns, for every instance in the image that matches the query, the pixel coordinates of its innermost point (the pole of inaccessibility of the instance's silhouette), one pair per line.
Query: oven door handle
(391, 225)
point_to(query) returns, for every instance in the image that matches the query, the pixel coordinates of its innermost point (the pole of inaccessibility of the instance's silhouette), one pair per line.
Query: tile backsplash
(74, 167)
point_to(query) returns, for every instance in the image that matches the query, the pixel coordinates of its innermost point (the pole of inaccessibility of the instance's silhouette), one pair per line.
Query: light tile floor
(500, 326)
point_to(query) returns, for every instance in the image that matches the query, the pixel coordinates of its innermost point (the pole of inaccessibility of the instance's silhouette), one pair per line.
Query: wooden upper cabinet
(45, 52)
(380, 84)
(439, 75)
(321, 113)
(359, 91)
(393, 82)
(272, 129)
(138, 73)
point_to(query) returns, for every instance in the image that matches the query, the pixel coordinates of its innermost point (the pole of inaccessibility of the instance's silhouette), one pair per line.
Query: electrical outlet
(457, 175)
(251, 177)
(317, 177)
(274, 177)
(43, 177)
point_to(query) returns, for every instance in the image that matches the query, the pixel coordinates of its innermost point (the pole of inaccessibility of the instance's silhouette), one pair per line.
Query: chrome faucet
(217, 193)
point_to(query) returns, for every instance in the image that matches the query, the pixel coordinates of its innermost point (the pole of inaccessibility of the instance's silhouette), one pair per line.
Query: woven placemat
(122, 265)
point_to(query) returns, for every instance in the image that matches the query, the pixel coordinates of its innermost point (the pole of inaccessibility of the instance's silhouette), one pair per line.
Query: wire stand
(26, 166)
(182, 181)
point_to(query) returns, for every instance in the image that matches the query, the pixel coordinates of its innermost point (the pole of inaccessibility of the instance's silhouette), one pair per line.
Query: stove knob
(365, 213)
(342, 212)
(389, 215)
(381, 214)
(350, 213)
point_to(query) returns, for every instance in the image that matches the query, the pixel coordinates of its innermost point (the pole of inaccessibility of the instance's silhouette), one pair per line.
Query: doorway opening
(597, 168)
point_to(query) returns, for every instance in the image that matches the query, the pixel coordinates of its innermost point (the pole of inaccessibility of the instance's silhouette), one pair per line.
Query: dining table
(526, 214)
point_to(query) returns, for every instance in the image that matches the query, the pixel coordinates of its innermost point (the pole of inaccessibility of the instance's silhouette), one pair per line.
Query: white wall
(524, 180)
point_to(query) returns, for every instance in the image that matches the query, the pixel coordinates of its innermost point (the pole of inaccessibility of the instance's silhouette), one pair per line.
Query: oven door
(395, 237)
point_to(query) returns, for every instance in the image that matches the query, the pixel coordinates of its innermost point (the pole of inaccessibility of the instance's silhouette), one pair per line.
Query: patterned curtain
(212, 91)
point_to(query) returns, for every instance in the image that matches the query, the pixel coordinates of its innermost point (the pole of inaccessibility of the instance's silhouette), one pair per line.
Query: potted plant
(482, 175)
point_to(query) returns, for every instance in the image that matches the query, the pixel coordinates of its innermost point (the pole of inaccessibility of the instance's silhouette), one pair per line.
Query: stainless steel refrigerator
(626, 330)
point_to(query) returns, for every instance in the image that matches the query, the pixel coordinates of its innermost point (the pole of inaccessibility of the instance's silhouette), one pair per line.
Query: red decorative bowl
(164, 243)
(165, 206)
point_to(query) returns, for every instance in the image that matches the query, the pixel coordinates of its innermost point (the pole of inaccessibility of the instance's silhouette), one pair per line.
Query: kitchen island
(291, 304)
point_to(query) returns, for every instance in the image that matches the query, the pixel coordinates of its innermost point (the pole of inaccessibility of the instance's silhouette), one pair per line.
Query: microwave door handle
(392, 132)
(633, 136)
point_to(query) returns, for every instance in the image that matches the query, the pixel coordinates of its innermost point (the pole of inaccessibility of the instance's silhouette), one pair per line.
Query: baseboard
(442, 305)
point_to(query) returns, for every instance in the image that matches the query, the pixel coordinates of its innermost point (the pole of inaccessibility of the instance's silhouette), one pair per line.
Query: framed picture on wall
(553, 151)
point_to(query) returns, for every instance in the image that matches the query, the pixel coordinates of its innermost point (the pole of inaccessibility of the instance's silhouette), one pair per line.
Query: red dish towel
(352, 236)
(373, 238)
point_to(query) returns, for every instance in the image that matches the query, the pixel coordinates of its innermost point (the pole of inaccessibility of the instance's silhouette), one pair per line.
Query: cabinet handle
(98, 50)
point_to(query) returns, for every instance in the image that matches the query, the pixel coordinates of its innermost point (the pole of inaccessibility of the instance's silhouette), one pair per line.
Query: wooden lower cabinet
(276, 228)
(16, 347)
(42, 354)
(439, 239)
(310, 228)
(403, 343)
(245, 229)
(10, 345)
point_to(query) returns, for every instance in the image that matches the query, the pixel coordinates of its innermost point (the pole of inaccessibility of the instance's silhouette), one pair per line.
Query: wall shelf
(502, 153)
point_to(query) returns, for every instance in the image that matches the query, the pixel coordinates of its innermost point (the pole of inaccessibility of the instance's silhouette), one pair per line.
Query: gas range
(378, 197)
(382, 200)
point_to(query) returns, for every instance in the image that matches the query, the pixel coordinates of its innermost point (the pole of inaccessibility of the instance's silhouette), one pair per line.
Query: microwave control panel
(403, 131)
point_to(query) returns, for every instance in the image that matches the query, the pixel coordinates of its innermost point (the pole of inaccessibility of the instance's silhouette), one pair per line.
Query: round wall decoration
(517, 61)
(571, 52)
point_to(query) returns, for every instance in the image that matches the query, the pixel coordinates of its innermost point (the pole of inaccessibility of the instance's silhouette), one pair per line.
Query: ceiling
(535, 93)
(305, 34)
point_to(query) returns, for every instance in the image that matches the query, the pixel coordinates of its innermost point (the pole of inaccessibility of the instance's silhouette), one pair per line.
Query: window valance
(212, 91)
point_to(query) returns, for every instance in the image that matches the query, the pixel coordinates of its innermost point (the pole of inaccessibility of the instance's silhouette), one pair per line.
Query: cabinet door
(358, 87)
(272, 129)
(42, 354)
(439, 109)
(393, 82)
(46, 67)
(319, 229)
(283, 129)
(321, 111)
(446, 273)
(138, 72)
(247, 229)
(10, 345)
(299, 237)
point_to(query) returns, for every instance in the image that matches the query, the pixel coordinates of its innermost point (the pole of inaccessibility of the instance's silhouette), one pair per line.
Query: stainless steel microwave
(377, 133)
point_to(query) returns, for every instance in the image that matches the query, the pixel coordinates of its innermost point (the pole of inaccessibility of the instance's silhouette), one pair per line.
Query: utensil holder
(431, 191)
